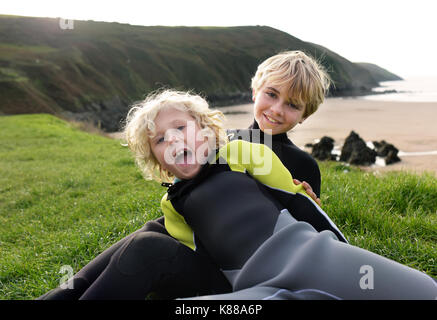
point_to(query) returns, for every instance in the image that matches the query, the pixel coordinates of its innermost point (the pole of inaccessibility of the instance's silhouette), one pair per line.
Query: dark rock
(387, 150)
(377, 145)
(323, 149)
(355, 151)
(362, 156)
(392, 157)
(382, 148)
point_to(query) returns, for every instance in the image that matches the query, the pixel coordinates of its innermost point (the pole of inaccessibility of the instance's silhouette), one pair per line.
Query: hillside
(97, 69)
(380, 74)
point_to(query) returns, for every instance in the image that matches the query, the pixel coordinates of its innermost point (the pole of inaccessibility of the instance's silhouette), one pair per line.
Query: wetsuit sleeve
(176, 225)
(300, 163)
(306, 169)
(261, 163)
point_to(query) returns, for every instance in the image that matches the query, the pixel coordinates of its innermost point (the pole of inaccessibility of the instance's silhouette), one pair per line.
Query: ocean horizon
(411, 89)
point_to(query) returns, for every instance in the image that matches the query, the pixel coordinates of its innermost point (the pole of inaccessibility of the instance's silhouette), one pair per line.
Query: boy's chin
(269, 129)
(187, 172)
(273, 129)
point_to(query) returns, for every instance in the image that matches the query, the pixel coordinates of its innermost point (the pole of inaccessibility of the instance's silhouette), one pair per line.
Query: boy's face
(177, 145)
(274, 111)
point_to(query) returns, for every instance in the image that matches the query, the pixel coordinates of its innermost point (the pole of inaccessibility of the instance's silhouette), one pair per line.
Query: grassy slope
(66, 195)
(46, 69)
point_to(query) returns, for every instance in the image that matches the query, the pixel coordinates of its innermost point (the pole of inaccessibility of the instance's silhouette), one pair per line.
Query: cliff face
(97, 69)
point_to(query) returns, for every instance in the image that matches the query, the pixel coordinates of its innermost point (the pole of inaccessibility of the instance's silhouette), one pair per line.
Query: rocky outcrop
(355, 151)
(387, 150)
(322, 150)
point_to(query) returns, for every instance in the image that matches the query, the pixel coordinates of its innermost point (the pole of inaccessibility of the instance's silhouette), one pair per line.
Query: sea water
(413, 89)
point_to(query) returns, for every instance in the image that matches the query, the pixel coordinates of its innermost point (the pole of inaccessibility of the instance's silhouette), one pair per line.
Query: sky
(398, 35)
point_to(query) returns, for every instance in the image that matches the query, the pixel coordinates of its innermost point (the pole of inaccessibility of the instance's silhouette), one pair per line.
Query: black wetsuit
(272, 241)
(150, 261)
(301, 164)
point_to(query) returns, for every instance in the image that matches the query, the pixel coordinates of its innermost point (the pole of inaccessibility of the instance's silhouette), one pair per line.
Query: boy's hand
(308, 190)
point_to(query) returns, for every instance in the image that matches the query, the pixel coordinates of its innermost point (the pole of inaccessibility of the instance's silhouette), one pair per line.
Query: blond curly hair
(140, 127)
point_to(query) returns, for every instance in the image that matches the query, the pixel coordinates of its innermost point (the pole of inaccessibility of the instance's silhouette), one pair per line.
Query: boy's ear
(253, 95)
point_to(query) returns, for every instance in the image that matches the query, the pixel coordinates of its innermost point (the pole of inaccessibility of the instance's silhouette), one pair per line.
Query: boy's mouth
(271, 120)
(184, 157)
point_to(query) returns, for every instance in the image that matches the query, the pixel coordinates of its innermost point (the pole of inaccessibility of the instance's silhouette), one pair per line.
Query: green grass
(393, 214)
(66, 195)
(10, 75)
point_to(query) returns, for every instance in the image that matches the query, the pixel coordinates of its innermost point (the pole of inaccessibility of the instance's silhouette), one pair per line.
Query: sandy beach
(410, 126)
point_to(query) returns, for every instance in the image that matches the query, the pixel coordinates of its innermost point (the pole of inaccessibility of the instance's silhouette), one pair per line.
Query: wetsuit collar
(211, 159)
(180, 186)
(282, 137)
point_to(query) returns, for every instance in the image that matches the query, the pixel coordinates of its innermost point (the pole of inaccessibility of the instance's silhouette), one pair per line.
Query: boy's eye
(159, 140)
(293, 105)
(271, 94)
(180, 128)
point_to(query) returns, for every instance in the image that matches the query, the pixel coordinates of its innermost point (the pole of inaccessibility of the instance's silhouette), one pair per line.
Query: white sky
(398, 35)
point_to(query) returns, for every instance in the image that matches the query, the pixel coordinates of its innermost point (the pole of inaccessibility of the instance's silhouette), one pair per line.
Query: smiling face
(275, 111)
(178, 144)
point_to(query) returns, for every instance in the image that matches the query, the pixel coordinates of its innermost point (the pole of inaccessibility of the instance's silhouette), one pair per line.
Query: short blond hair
(306, 79)
(140, 126)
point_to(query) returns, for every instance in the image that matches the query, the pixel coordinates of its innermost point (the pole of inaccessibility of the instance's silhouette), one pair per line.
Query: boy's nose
(173, 137)
(277, 108)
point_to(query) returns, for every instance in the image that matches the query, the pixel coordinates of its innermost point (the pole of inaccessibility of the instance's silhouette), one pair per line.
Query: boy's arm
(303, 167)
(263, 164)
(176, 225)
(306, 169)
(309, 191)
